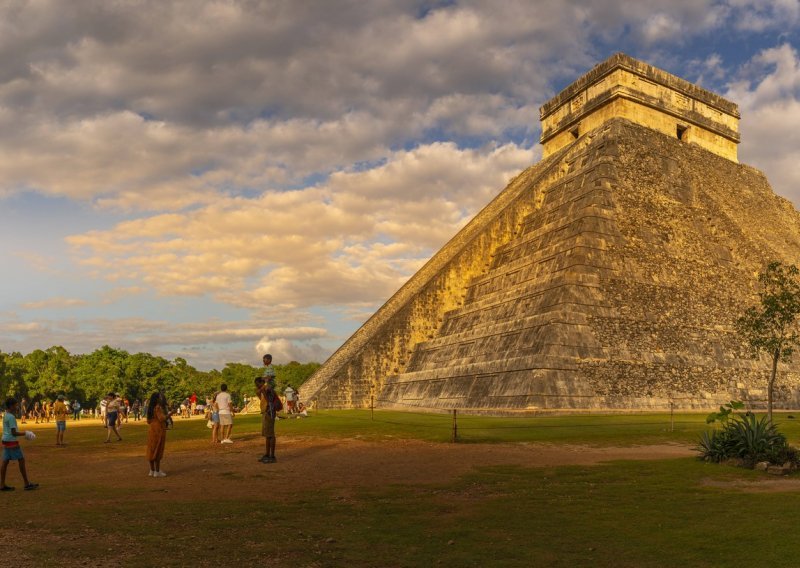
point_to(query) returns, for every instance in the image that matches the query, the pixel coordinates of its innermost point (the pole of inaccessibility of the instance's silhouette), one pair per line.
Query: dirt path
(231, 470)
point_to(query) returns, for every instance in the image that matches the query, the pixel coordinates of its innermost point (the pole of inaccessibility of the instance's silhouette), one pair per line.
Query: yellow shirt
(60, 411)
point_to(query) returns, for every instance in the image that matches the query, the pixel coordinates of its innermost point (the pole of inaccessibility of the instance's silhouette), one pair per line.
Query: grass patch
(97, 502)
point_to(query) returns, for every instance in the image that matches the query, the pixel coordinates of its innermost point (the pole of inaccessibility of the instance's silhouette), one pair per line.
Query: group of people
(220, 411)
(45, 410)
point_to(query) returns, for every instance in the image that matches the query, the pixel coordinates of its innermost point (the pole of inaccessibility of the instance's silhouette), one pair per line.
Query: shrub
(747, 438)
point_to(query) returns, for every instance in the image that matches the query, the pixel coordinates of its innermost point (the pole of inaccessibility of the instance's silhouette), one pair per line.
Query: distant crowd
(219, 410)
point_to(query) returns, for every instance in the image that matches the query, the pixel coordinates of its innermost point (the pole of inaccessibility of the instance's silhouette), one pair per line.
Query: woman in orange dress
(157, 433)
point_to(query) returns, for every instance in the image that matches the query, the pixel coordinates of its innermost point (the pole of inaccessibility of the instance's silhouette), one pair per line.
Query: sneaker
(151, 473)
(264, 458)
(159, 474)
(6, 488)
(31, 486)
(227, 441)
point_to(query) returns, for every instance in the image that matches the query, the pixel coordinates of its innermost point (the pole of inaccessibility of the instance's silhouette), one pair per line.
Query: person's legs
(271, 447)
(23, 471)
(116, 431)
(3, 470)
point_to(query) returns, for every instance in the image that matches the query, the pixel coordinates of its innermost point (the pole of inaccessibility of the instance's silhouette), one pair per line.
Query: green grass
(600, 430)
(637, 514)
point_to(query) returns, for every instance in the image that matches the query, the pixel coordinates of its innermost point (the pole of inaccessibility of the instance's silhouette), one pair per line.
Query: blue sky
(212, 180)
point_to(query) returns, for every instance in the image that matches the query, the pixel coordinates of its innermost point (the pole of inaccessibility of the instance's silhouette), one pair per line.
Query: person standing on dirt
(225, 405)
(60, 413)
(157, 416)
(270, 406)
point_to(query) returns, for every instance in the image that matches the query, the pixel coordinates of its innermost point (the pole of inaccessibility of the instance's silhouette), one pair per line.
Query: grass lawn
(219, 507)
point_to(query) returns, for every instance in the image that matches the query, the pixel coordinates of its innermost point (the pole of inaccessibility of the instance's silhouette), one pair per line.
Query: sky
(214, 180)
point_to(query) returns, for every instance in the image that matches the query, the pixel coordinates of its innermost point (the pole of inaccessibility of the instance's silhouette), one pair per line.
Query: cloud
(760, 15)
(284, 350)
(54, 303)
(210, 344)
(768, 89)
(353, 239)
(158, 106)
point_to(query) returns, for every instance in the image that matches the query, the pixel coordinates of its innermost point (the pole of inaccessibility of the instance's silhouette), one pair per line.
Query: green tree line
(44, 374)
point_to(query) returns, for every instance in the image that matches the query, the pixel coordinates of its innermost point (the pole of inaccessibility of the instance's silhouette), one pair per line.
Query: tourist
(76, 410)
(136, 408)
(157, 432)
(23, 410)
(225, 406)
(60, 413)
(214, 420)
(104, 410)
(289, 393)
(269, 368)
(270, 405)
(11, 448)
(112, 416)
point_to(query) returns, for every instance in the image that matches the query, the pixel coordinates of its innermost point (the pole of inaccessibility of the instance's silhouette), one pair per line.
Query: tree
(772, 325)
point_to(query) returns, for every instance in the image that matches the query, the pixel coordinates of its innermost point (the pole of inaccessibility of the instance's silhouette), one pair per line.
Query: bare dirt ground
(196, 467)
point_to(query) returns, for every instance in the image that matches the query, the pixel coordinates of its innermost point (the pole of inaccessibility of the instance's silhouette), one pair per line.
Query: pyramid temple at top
(605, 277)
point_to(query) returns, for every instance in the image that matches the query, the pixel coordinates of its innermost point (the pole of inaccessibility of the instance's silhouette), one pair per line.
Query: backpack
(277, 405)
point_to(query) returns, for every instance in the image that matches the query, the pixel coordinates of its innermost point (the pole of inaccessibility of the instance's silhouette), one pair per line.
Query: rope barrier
(529, 422)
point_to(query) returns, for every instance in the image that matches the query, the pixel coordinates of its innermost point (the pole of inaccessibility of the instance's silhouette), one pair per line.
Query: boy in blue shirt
(11, 449)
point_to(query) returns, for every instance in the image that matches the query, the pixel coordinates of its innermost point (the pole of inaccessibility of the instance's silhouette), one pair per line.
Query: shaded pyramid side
(618, 292)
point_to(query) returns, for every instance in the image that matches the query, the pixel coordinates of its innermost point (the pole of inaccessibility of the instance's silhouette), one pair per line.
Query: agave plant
(746, 437)
(755, 437)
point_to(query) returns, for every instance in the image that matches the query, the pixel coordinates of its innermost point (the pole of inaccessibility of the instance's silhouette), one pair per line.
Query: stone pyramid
(605, 277)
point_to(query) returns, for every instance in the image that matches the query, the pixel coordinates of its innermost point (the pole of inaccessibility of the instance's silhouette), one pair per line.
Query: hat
(61, 397)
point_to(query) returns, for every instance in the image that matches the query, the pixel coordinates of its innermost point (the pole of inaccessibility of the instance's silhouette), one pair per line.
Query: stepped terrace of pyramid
(607, 277)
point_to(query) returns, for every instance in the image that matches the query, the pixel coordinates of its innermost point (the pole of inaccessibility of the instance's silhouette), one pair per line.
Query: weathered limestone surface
(606, 277)
(623, 87)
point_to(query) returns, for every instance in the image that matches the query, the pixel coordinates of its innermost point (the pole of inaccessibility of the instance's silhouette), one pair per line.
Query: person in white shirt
(225, 405)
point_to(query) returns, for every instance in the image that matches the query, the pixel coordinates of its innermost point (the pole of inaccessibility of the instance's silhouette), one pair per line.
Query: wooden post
(455, 427)
(671, 415)
(372, 406)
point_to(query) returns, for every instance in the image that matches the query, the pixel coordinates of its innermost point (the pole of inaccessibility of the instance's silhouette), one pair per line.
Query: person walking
(112, 416)
(225, 406)
(11, 449)
(23, 410)
(156, 432)
(60, 413)
(76, 410)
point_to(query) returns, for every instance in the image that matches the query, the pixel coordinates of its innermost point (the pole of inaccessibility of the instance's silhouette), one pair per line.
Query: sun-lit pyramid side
(605, 277)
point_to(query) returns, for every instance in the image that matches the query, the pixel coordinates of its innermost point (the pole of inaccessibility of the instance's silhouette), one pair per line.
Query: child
(60, 413)
(11, 449)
